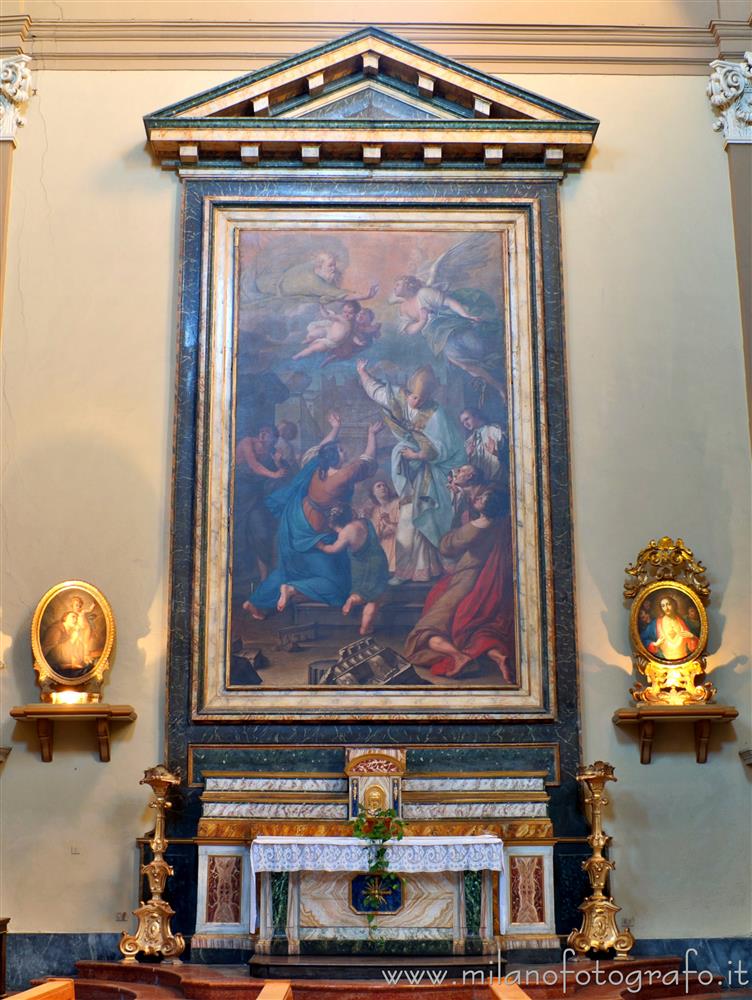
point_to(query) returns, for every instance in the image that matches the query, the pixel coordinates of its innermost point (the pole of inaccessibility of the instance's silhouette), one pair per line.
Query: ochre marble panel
(224, 878)
(428, 902)
(526, 875)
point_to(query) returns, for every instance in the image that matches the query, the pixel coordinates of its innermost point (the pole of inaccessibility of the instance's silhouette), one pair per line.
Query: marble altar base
(320, 908)
(323, 905)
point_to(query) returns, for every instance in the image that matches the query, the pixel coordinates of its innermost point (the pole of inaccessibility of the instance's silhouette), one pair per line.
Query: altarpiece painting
(374, 452)
(383, 513)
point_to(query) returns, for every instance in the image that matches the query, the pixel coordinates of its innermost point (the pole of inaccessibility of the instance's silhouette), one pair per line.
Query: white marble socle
(275, 810)
(527, 915)
(447, 784)
(272, 783)
(223, 933)
(472, 810)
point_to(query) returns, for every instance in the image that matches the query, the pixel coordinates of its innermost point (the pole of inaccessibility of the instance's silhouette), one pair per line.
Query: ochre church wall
(658, 439)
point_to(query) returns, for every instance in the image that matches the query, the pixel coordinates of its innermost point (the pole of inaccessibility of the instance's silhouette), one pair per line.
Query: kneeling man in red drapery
(469, 612)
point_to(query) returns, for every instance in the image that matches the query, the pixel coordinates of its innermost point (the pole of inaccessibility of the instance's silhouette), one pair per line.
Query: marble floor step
(403, 970)
(149, 973)
(113, 989)
(148, 981)
(156, 981)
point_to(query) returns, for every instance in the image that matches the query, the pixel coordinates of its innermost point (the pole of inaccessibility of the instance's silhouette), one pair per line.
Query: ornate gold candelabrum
(599, 930)
(153, 935)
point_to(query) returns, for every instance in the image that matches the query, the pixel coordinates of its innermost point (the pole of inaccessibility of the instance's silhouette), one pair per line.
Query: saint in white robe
(484, 446)
(425, 501)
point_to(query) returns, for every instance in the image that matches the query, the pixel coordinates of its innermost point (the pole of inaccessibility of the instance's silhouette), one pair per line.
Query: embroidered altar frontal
(371, 529)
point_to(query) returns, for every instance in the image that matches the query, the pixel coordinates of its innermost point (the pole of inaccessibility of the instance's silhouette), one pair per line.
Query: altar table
(350, 854)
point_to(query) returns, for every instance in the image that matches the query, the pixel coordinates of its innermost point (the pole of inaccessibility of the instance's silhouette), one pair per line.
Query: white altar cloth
(350, 854)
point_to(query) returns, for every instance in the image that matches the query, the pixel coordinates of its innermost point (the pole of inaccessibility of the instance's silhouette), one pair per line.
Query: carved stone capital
(730, 93)
(15, 86)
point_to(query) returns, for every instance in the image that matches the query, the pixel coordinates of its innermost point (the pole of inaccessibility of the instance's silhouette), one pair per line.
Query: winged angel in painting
(458, 324)
(346, 414)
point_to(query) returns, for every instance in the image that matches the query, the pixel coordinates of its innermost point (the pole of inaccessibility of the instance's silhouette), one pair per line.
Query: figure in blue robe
(303, 509)
(320, 576)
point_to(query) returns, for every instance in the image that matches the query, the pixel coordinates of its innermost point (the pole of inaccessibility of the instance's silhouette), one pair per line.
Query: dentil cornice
(730, 93)
(15, 86)
(167, 42)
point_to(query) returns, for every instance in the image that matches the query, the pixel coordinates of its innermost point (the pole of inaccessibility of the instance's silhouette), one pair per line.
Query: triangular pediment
(368, 100)
(322, 98)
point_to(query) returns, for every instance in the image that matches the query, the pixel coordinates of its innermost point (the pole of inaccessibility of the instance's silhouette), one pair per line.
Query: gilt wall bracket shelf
(46, 715)
(647, 716)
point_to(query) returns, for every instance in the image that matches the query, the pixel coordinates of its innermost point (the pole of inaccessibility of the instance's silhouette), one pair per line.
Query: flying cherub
(365, 331)
(461, 323)
(340, 334)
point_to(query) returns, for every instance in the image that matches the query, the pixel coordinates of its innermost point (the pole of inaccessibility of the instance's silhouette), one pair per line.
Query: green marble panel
(303, 760)
(472, 902)
(280, 883)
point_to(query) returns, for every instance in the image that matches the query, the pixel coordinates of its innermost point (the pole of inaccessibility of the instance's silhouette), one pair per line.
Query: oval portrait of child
(669, 623)
(72, 632)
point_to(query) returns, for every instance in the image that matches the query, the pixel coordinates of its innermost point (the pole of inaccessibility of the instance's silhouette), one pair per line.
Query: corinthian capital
(730, 93)
(15, 82)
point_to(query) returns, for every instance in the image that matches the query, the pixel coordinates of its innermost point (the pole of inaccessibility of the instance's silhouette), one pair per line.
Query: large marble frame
(517, 219)
(524, 211)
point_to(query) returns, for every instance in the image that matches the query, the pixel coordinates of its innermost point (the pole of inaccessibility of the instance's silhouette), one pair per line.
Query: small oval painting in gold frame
(72, 637)
(669, 623)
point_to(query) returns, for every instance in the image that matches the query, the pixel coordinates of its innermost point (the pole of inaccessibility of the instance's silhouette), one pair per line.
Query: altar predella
(371, 506)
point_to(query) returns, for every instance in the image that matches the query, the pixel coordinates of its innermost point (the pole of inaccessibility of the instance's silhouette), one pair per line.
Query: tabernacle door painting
(370, 408)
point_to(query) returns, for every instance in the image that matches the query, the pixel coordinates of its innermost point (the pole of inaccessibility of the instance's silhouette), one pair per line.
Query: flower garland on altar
(378, 827)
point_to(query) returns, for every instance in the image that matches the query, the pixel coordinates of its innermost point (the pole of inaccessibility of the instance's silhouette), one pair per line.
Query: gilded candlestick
(599, 930)
(153, 935)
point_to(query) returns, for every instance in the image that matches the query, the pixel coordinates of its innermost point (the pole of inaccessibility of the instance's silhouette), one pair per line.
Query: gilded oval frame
(691, 597)
(46, 670)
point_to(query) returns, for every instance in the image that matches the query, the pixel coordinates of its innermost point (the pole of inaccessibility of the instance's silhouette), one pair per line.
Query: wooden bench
(276, 991)
(53, 989)
(63, 989)
(509, 991)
